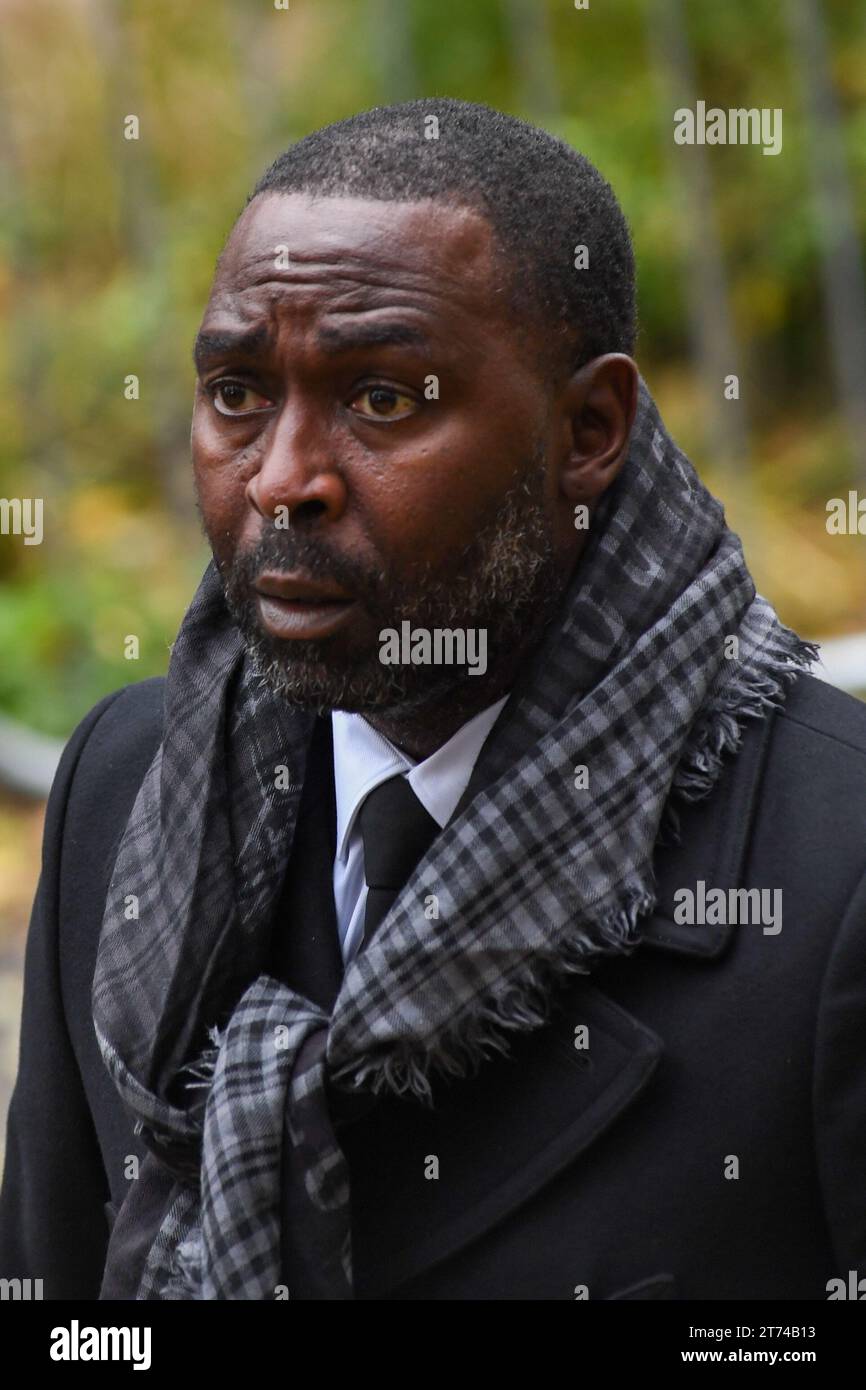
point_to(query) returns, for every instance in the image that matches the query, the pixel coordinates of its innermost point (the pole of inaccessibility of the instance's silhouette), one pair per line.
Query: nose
(298, 479)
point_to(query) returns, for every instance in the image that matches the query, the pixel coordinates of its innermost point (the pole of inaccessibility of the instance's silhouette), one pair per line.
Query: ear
(598, 405)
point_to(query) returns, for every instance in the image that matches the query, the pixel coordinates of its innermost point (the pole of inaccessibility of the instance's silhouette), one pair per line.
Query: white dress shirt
(362, 759)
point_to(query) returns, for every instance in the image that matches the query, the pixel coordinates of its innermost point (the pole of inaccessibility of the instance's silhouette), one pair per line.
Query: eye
(383, 402)
(228, 397)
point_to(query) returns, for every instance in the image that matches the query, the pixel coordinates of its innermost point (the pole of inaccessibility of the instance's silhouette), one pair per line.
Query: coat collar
(712, 846)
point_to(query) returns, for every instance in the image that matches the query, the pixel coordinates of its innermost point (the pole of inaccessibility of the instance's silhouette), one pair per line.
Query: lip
(294, 588)
(292, 607)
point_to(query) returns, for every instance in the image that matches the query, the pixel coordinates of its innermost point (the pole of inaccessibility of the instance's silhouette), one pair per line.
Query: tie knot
(396, 830)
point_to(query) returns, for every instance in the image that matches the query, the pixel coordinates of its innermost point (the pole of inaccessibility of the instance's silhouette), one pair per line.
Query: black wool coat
(708, 1143)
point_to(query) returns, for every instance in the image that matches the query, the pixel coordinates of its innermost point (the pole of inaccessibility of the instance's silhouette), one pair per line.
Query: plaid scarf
(228, 1070)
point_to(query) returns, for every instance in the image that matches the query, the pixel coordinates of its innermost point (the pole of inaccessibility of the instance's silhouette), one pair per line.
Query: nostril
(308, 511)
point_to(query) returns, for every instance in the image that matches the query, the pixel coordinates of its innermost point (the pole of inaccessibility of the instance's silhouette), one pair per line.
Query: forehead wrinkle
(348, 295)
(333, 280)
(428, 249)
(379, 264)
(387, 307)
(336, 329)
(438, 284)
(439, 314)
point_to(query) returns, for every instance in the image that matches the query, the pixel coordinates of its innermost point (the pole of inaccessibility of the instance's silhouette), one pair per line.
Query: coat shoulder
(809, 802)
(816, 708)
(126, 721)
(102, 768)
(119, 735)
(815, 776)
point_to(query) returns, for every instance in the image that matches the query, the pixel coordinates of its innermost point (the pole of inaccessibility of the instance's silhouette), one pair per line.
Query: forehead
(310, 256)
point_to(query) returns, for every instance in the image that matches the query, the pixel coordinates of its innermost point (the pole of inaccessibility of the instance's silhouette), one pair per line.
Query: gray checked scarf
(223, 1066)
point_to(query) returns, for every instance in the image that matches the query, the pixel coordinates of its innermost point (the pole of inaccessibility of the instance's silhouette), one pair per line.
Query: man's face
(369, 440)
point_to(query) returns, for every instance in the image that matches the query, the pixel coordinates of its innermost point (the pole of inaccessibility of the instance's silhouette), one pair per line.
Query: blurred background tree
(747, 263)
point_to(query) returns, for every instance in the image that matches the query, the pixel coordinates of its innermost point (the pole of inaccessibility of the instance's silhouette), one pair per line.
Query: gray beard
(506, 582)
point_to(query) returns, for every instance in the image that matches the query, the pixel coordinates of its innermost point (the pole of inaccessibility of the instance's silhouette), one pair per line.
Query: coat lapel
(497, 1139)
(712, 847)
(305, 943)
(502, 1135)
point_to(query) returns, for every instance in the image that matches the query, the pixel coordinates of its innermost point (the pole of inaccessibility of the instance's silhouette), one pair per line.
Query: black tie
(396, 830)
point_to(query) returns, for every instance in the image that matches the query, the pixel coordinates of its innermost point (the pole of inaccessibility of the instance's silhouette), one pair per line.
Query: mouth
(292, 608)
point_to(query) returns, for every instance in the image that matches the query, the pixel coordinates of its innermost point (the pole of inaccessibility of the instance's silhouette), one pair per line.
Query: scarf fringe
(752, 693)
(525, 1002)
(186, 1269)
(197, 1075)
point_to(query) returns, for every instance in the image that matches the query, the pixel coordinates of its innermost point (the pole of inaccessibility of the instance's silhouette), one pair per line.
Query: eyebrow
(246, 342)
(251, 342)
(361, 335)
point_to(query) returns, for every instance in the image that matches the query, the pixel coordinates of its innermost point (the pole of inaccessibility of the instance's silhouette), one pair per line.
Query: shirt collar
(363, 758)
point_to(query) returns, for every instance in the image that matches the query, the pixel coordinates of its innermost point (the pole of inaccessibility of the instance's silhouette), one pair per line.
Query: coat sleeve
(53, 1224)
(840, 1090)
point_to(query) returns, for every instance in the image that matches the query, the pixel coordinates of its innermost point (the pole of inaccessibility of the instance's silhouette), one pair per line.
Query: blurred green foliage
(107, 248)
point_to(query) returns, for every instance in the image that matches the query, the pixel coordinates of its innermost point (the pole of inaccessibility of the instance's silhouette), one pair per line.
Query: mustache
(304, 555)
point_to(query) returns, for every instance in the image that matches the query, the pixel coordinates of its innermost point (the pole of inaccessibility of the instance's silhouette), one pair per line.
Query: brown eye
(383, 403)
(234, 398)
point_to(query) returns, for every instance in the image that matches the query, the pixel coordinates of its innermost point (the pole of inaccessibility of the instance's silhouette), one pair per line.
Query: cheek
(434, 501)
(220, 484)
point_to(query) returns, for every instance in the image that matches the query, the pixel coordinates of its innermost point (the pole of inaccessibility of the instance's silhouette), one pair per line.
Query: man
(477, 909)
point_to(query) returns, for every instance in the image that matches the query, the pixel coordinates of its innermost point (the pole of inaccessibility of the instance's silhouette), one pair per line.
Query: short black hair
(541, 197)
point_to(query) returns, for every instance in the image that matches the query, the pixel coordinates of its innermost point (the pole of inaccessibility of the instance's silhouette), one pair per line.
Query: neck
(420, 730)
